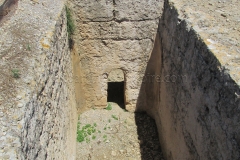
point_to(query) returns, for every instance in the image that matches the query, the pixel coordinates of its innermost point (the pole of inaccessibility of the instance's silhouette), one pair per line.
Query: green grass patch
(86, 131)
(109, 107)
(114, 117)
(70, 22)
(70, 27)
(28, 47)
(15, 73)
(104, 138)
(88, 140)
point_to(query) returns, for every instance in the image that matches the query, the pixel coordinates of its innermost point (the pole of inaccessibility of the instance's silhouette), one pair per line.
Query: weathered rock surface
(189, 82)
(37, 106)
(190, 90)
(113, 35)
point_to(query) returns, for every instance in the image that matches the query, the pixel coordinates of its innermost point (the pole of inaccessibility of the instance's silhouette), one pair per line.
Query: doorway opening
(116, 93)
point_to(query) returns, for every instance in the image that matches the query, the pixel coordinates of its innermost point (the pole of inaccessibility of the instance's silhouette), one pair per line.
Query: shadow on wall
(149, 89)
(146, 126)
(148, 137)
(192, 98)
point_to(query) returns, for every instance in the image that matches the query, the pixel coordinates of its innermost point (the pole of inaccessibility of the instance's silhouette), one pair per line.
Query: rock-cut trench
(145, 60)
(147, 80)
(113, 43)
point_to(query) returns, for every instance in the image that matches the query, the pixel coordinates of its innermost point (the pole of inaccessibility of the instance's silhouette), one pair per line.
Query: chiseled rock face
(188, 84)
(111, 35)
(193, 98)
(37, 106)
(137, 10)
(100, 10)
(116, 76)
(49, 130)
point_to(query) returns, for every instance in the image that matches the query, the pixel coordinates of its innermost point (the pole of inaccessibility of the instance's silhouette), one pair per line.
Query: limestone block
(116, 75)
(100, 10)
(114, 30)
(138, 9)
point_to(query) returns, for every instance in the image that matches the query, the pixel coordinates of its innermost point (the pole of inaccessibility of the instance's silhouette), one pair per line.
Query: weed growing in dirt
(15, 73)
(109, 107)
(87, 140)
(105, 138)
(85, 132)
(114, 117)
(28, 47)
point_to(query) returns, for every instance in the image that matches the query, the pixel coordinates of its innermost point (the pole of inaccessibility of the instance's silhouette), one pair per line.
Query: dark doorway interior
(116, 93)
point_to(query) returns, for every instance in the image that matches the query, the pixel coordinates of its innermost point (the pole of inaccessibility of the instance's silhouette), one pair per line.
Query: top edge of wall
(108, 10)
(216, 24)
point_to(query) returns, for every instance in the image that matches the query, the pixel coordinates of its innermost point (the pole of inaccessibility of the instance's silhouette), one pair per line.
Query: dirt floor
(114, 133)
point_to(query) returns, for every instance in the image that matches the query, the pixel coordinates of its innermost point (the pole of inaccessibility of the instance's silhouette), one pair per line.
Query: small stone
(121, 151)
(16, 144)
(129, 122)
(35, 1)
(19, 105)
(4, 129)
(4, 123)
(224, 15)
(114, 153)
(19, 126)
(6, 157)
(19, 97)
(17, 117)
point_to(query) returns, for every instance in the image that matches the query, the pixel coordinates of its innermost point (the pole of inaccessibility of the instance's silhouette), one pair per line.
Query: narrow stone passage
(114, 133)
